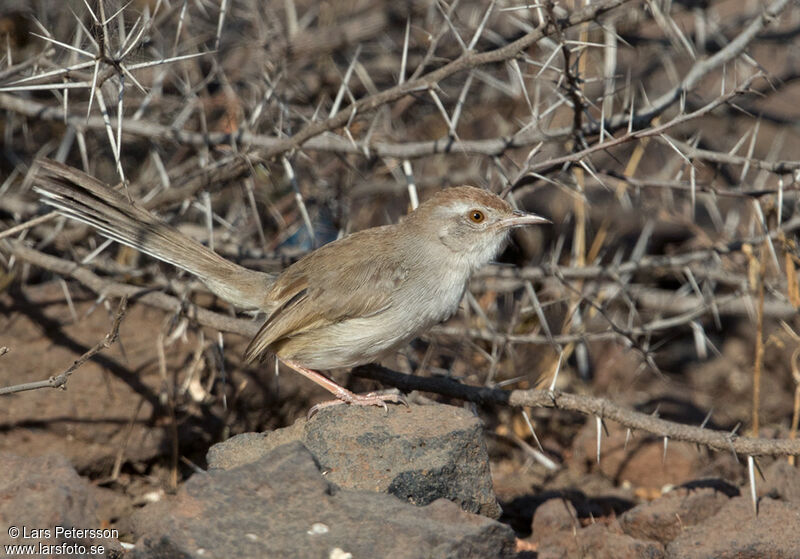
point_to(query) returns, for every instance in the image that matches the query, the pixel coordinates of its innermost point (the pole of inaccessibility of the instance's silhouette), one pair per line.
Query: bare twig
(147, 296)
(599, 407)
(28, 224)
(60, 380)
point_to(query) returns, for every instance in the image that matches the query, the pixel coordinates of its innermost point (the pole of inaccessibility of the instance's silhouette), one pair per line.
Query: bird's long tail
(82, 197)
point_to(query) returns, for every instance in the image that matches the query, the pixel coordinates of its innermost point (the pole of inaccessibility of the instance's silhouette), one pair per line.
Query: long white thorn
(94, 87)
(91, 12)
(599, 424)
(555, 375)
(180, 27)
(412, 186)
(223, 8)
(404, 59)
(59, 72)
(479, 30)
(65, 45)
(532, 430)
(165, 61)
(751, 474)
(337, 103)
(120, 97)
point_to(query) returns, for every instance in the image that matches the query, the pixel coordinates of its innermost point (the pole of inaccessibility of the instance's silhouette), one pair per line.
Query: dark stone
(419, 454)
(42, 493)
(281, 505)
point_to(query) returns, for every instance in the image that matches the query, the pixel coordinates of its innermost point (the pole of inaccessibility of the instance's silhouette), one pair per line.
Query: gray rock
(782, 481)
(40, 494)
(664, 518)
(604, 542)
(419, 454)
(737, 532)
(281, 505)
(552, 516)
(601, 540)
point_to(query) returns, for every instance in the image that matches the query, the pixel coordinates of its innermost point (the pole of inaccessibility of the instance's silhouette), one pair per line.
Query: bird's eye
(476, 216)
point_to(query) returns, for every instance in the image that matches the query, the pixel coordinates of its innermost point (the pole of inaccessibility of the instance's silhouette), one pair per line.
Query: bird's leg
(343, 395)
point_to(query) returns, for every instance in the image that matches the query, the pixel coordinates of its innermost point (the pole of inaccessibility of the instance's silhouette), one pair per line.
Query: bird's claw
(370, 399)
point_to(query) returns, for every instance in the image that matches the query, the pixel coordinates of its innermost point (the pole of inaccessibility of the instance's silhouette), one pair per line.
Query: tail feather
(84, 198)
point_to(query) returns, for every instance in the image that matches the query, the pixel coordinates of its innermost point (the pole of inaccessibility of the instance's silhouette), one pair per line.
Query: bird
(350, 302)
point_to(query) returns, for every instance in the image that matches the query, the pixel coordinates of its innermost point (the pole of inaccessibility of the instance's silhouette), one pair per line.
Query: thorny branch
(598, 407)
(515, 398)
(60, 380)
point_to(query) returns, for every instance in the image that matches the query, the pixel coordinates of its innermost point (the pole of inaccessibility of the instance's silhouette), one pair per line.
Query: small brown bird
(350, 302)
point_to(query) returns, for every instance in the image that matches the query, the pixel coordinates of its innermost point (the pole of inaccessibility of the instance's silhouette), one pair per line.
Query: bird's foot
(371, 399)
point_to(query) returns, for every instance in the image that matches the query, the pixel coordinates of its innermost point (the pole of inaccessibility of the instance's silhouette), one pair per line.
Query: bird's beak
(520, 219)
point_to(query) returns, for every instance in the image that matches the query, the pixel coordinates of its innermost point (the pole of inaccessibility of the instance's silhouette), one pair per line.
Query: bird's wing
(327, 287)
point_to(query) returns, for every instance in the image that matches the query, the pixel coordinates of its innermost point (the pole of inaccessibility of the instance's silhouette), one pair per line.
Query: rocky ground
(429, 480)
